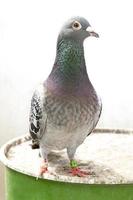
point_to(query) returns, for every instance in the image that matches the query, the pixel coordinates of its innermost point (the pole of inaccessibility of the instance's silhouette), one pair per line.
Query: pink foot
(78, 172)
(43, 168)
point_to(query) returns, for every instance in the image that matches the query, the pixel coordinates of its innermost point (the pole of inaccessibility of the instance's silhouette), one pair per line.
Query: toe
(78, 172)
(43, 170)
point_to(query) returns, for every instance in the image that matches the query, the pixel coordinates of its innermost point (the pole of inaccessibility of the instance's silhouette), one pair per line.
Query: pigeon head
(77, 28)
(69, 70)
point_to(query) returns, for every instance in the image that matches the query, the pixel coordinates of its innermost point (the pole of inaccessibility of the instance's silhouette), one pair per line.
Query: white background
(28, 33)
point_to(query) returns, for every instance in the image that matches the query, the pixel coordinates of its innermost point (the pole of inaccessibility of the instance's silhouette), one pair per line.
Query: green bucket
(20, 184)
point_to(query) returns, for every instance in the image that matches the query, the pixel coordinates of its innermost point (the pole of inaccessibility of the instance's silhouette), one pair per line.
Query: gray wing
(37, 116)
(100, 111)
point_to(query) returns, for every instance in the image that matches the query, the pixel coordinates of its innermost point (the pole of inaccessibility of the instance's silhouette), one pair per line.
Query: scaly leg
(74, 169)
(44, 162)
(43, 167)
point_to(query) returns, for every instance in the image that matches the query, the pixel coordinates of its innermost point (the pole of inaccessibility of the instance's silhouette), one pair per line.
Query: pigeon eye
(76, 25)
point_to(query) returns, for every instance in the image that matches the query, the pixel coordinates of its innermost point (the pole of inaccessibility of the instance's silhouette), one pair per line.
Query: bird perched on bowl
(66, 107)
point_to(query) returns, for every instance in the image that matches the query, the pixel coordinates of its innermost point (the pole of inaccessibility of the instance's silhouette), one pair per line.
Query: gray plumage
(66, 107)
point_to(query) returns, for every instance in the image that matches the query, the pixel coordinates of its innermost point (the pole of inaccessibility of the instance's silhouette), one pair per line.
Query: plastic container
(21, 183)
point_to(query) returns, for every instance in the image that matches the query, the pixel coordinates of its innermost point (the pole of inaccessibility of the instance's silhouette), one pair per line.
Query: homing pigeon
(65, 108)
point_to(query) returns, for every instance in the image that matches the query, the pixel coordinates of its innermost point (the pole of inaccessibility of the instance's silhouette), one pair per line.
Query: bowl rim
(26, 137)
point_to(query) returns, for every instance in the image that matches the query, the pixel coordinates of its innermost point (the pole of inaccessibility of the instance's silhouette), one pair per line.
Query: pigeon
(65, 108)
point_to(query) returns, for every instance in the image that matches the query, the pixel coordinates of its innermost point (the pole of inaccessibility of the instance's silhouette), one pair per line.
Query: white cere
(90, 29)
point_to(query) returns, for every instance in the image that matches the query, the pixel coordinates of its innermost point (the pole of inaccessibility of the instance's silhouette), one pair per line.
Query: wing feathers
(36, 115)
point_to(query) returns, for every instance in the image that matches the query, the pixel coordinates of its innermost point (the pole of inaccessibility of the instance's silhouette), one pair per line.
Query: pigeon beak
(91, 32)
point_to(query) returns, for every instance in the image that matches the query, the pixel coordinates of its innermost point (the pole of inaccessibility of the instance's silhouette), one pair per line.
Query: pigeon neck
(69, 71)
(70, 55)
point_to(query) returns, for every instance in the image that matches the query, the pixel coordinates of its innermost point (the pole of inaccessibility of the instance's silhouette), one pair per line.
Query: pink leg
(75, 170)
(44, 162)
(43, 167)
